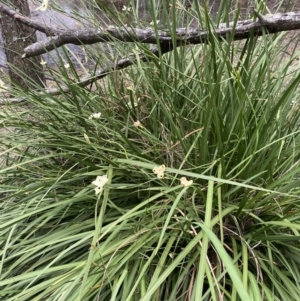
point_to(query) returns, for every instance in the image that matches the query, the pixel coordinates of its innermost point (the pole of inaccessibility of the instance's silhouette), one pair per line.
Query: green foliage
(224, 115)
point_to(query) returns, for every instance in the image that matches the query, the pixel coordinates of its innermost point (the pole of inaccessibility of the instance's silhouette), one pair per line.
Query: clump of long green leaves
(224, 115)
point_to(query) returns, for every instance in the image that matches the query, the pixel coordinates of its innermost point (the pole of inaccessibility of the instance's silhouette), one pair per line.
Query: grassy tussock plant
(174, 179)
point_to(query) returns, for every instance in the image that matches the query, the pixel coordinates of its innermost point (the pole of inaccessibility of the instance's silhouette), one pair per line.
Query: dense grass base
(224, 115)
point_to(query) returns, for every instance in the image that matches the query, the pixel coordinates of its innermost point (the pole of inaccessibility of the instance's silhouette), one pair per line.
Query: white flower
(159, 171)
(99, 183)
(185, 183)
(95, 116)
(67, 66)
(152, 22)
(44, 5)
(132, 105)
(86, 137)
(42, 62)
(137, 124)
(126, 8)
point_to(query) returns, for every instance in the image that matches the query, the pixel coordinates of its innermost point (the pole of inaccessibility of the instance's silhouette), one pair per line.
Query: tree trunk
(16, 36)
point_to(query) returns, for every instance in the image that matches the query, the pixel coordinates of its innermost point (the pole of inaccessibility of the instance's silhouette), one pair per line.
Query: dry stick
(58, 37)
(275, 23)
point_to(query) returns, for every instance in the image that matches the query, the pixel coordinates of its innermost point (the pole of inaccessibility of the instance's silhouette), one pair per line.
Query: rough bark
(16, 37)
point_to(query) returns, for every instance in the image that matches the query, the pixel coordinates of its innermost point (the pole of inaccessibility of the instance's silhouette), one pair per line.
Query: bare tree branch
(58, 37)
(274, 23)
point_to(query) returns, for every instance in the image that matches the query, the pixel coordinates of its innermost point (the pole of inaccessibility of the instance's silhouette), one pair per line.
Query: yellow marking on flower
(185, 183)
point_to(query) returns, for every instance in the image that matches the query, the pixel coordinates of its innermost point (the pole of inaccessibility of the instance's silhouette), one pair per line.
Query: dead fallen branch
(273, 24)
(184, 36)
(241, 30)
